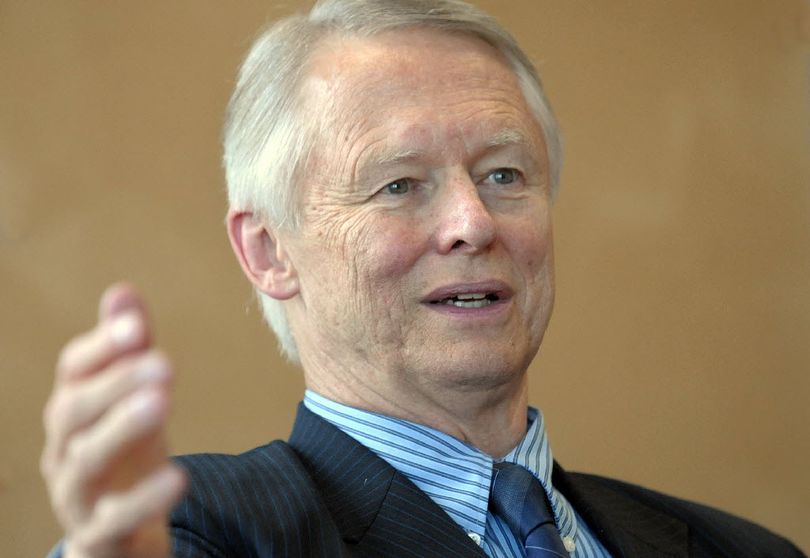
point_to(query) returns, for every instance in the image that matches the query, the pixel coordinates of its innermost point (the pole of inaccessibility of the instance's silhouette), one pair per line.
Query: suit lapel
(376, 509)
(626, 527)
(411, 524)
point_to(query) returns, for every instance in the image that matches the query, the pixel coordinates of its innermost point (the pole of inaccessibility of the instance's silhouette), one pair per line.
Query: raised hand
(105, 459)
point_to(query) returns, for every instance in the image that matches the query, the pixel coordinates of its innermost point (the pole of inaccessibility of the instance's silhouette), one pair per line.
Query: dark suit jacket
(323, 494)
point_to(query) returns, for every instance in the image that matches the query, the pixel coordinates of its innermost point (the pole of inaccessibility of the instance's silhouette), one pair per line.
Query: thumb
(123, 298)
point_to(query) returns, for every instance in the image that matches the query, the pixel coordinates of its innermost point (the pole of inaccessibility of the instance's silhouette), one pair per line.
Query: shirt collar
(453, 473)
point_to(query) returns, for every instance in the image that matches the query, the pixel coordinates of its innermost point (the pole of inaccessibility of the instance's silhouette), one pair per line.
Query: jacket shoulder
(209, 471)
(248, 504)
(711, 530)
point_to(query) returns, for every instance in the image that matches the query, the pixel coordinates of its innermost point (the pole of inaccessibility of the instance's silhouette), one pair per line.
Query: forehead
(341, 58)
(417, 86)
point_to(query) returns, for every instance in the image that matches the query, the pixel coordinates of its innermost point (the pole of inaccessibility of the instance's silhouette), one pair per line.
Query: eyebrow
(394, 157)
(508, 137)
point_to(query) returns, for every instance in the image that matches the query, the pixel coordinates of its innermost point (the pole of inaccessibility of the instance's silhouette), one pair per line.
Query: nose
(464, 224)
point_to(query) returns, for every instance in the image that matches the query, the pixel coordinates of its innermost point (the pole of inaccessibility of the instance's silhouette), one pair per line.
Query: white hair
(268, 134)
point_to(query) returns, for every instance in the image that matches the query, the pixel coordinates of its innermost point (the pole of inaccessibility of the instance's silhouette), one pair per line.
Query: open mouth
(469, 300)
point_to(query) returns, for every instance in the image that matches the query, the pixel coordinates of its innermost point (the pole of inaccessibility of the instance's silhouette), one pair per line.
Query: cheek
(366, 253)
(392, 256)
(533, 253)
(532, 248)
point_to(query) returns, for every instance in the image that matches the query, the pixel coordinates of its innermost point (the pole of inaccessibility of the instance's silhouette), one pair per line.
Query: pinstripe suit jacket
(324, 495)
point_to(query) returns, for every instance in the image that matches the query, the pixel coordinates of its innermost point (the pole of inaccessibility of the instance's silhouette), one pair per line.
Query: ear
(263, 258)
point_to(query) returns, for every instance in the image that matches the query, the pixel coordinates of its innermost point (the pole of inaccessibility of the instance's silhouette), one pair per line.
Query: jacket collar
(624, 525)
(374, 506)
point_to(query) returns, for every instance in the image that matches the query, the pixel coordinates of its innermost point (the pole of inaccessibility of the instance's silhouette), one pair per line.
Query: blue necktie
(519, 499)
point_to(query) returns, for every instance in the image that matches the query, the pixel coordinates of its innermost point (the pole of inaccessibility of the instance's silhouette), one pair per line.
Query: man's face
(424, 253)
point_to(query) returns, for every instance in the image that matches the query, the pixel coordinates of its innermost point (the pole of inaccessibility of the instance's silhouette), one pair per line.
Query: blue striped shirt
(457, 476)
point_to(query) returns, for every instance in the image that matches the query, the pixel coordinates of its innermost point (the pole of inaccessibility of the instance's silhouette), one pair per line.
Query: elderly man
(391, 167)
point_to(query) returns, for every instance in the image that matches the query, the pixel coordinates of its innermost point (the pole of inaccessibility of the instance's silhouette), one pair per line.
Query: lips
(469, 295)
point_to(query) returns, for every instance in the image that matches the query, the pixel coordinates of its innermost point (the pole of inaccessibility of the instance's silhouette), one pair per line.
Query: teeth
(478, 303)
(471, 296)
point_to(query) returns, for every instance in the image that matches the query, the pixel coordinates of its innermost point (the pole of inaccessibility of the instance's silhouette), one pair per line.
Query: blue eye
(400, 186)
(504, 176)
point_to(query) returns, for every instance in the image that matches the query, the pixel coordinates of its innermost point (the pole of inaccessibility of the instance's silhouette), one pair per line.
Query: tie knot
(520, 500)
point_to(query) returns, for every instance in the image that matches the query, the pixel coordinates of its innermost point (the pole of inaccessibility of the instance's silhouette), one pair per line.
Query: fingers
(110, 339)
(91, 455)
(118, 518)
(76, 405)
(81, 392)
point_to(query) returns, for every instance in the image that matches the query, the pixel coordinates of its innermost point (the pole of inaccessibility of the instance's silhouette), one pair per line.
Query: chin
(475, 369)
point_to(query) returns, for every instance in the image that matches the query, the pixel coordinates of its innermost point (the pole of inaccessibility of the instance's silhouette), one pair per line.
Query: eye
(504, 176)
(401, 186)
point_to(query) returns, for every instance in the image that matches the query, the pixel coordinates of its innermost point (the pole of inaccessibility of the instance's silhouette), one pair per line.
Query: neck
(490, 416)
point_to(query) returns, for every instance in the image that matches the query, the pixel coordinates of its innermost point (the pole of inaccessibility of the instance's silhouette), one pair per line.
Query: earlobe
(262, 256)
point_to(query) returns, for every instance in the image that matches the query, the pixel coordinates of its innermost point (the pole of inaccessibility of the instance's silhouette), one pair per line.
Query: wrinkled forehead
(416, 87)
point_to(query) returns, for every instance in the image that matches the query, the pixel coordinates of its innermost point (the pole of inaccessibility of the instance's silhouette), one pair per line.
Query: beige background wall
(679, 353)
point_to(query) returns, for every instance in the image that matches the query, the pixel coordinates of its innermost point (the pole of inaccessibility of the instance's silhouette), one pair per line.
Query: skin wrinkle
(330, 83)
(367, 159)
(367, 258)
